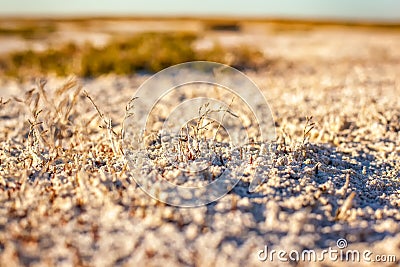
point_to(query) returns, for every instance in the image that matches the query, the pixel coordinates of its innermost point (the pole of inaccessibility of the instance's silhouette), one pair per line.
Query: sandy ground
(67, 197)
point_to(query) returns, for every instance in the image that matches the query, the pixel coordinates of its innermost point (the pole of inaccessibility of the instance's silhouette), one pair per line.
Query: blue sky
(383, 10)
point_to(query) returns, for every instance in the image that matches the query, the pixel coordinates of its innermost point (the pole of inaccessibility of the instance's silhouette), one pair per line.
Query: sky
(373, 10)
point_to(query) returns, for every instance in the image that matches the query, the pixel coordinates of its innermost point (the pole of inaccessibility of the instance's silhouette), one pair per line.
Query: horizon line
(281, 19)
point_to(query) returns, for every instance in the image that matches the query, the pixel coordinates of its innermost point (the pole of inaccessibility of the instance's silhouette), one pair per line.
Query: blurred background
(386, 10)
(92, 38)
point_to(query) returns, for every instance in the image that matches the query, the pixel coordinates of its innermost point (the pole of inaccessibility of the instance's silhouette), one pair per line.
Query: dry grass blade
(112, 135)
(73, 102)
(227, 110)
(71, 83)
(193, 136)
(128, 114)
(342, 212)
(307, 129)
(342, 191)
(41, 86)
(3, 103)
(85, 93)
(34, 138)
(64, 107)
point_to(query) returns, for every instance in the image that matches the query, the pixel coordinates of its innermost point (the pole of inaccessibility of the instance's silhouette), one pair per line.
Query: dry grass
(62, 169)
(57, 130)
(67, 197)
(201, 134)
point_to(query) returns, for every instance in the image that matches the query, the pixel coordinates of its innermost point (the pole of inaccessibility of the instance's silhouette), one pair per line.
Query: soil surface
(67, 196)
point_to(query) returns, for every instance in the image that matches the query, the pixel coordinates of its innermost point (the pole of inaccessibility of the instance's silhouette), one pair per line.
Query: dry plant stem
(342, 191)
(73, 102)
(105, 121)
(341, 213)
(112, 135)
(107, 124)
(188, 145)
(56, 114)
(223, 117)
(286, 135)
(34, 138)
(3, 103)
(128, 114)
(41, 86)
(307, 129)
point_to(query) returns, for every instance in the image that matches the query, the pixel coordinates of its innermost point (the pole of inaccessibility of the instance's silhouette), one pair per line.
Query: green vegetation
(58, 61)
(145, 52)
(28, 32)
(148, 52)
